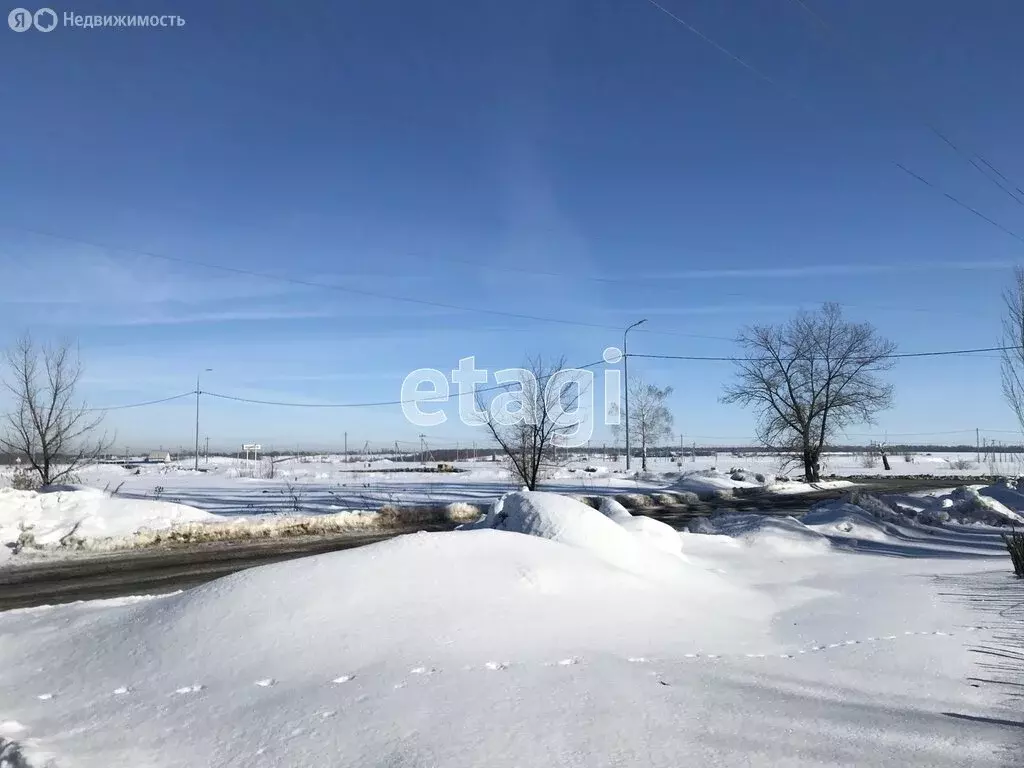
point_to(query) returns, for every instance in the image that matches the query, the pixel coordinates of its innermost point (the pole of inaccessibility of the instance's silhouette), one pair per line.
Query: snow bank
(847, 520)
(709, 483)
(80, 518)
(782, 534)
(635, 546)
(653, 532)
(988, 505)
(267, 665)
(489, 648)
(70, 515)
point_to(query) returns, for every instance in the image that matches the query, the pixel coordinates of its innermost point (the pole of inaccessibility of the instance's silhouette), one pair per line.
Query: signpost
(254, 449)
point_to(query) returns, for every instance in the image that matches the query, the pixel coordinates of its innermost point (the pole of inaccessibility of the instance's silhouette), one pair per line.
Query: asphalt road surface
(165, 569)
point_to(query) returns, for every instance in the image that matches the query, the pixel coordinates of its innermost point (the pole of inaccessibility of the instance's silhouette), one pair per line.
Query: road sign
(252, 447)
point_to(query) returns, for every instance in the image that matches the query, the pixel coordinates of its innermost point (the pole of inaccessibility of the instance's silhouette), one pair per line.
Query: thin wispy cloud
(829, 270)
(713, 309)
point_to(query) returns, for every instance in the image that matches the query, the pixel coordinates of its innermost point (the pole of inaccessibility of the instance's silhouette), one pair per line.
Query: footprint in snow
(568, 662)
(327, 713)
(44, 696)
(266, 682)
(188, 689)
(122, 690)
(494, 666)
(423, 671)
(342, 679)
(636, 660)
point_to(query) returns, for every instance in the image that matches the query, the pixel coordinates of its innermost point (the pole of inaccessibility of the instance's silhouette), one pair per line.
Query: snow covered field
(233, 495)
(548, 634)
(229, 487)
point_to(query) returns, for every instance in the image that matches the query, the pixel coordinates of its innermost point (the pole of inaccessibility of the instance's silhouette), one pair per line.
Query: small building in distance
(161, 457)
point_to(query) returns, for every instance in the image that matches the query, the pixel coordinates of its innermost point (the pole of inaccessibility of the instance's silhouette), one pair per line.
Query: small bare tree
(650, 420)
(1013, 341)
(532, 414)
(46, 425)
(811, 378)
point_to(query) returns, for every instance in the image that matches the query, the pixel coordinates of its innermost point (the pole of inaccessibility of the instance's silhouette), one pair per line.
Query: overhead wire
(891, 356)
(787, 92)
(348, 289)
(869, 64)
(435, 398)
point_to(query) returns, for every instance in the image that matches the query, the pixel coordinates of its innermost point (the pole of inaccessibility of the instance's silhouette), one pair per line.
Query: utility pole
(205, 370)
(346, 446)
(977, 442)
(625, 377)
(207, 449)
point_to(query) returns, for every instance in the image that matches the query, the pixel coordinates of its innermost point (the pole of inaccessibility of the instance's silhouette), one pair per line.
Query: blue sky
(592, 161)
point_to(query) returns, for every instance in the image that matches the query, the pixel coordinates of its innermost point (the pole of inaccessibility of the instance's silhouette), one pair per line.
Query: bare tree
(809, 379)
(46, 425)
(1013, 340)
(532, 414)
(650, 420)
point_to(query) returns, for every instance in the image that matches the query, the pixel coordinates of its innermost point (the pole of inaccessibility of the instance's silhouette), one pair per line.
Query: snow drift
(847, 520)
(782, 534)
(71, 515)
(503, 649)
(615, 536)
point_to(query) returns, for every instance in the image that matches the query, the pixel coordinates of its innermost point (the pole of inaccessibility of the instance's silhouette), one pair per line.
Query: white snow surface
(653, 532)
(85, 513)
(624, 543)
(540, 645)
(784, 535)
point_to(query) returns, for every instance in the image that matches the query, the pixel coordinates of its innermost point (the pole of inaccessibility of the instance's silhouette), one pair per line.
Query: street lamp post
(205, 370)
(625, 376)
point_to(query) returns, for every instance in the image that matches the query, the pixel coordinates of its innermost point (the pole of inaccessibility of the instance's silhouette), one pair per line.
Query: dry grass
(274, 527)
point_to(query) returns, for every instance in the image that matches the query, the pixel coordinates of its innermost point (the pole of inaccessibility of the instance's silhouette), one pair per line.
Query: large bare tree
(534, 411)
(1013, 341)
(47, 426)
(811, 378)
(650, 420)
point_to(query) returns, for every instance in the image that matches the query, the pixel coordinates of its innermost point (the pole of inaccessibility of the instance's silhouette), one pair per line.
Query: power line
(893, 356)
(140, 405)
(762, 76)
(347, 289)
(959, 202)
(721, 48)
(868, 64)
(434, 399)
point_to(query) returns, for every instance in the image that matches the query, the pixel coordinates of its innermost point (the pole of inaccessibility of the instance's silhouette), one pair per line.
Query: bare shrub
(1015, 546)
(24, 481)
(961, 464)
